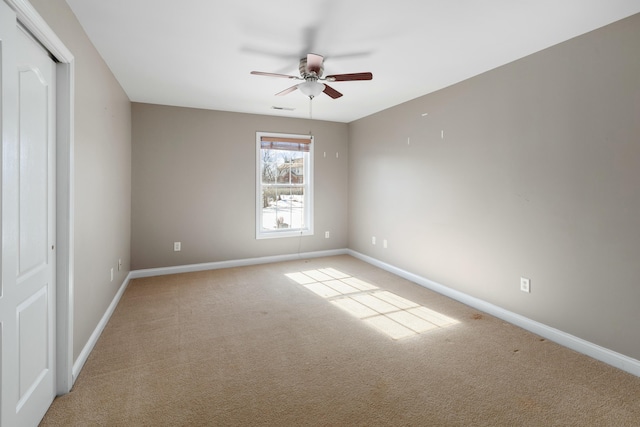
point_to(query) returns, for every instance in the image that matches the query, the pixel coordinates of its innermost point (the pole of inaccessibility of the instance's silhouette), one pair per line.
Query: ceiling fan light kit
(311, 69)
(311, 88)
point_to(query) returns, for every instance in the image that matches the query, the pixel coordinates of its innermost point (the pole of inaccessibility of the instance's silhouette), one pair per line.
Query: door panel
(35, 267)
(34, 170)
(27, 303)
(33, 360)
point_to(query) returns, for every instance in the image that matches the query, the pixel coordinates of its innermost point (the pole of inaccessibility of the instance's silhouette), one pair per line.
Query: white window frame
(263, 233)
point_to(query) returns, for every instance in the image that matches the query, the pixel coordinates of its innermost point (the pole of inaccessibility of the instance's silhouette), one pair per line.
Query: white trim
(605, 355)
(161, 271)
(93, 339)
(595, 351)
(32, 21)
(64, 226)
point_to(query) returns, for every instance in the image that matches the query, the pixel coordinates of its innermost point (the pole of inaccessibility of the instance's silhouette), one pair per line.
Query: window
(284, 190)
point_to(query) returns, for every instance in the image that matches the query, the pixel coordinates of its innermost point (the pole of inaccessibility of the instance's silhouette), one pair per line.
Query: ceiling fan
(311, 69)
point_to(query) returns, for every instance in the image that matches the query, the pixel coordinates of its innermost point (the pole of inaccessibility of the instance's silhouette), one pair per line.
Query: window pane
(283, 207)
(291, 169)
(268, 166)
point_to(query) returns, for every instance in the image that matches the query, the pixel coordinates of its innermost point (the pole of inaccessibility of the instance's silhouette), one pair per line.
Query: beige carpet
(252, 346)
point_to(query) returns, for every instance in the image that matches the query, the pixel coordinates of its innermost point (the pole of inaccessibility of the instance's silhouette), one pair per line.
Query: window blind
(283, 143)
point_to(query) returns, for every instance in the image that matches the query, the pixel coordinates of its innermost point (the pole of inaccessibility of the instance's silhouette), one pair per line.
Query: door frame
(65, 66)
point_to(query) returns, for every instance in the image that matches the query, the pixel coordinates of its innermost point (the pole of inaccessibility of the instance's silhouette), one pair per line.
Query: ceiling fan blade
(286, 91)
(314, 63)
(260, 73)
(349, 77)
(331, 92)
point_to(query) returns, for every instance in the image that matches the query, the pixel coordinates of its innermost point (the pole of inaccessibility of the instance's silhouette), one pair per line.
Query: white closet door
(27, 301)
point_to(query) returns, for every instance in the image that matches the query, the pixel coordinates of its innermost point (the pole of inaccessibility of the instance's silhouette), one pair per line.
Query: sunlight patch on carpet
(383, 310)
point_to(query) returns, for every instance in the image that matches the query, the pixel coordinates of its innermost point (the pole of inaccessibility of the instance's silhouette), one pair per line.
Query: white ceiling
(199, 53)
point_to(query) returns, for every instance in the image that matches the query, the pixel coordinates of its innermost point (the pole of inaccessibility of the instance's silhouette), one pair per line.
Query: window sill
(275, 234)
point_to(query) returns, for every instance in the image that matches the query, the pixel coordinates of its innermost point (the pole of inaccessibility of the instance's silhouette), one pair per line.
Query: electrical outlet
(326, 234)
(525, 285)
(384, 243)
(112, 274)
(119, 264)
(177, 246)
(373, 240)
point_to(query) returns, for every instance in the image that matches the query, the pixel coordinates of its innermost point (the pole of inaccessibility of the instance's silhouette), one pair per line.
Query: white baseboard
(595, 351)
(93, 339)
(161, 271)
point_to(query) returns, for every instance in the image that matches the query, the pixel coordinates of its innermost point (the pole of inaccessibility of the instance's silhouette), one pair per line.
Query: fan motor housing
(304, 72)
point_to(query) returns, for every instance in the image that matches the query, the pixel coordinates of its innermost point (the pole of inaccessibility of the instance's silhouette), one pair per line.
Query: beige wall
(102, 175)
(538, 175)
(194, 182)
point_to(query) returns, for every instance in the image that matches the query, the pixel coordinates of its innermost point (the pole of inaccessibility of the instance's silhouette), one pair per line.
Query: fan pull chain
(310, 116)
